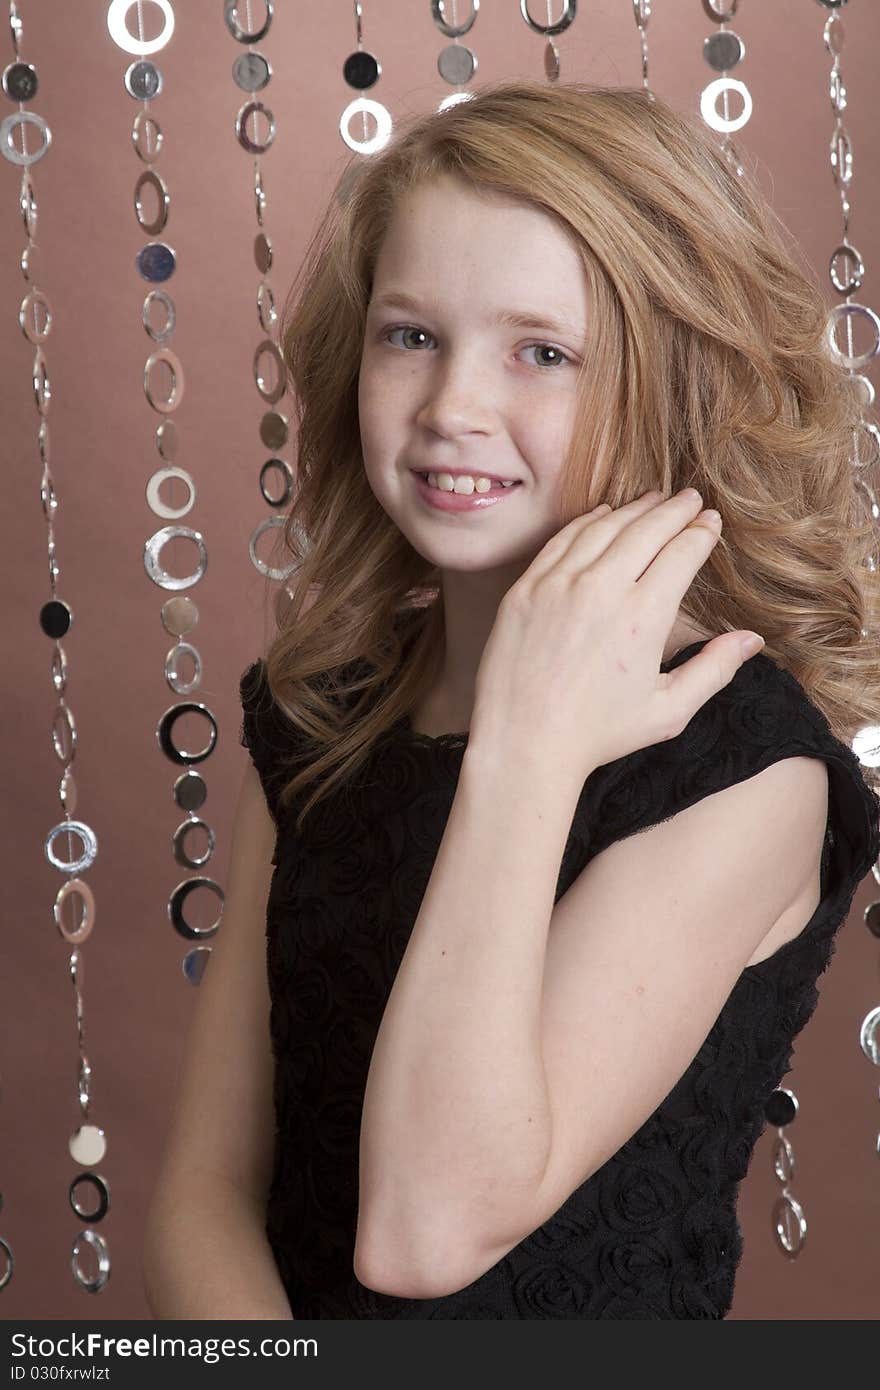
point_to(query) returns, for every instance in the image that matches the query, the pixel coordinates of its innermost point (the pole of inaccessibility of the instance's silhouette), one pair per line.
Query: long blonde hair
(709, 366)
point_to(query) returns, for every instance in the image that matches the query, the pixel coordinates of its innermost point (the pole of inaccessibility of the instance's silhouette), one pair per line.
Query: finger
(687, 688)
(671, 573)
(565, 543)
(636, 544)
(549, 554)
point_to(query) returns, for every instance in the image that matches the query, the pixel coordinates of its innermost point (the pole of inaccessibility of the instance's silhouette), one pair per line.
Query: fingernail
(752, 644)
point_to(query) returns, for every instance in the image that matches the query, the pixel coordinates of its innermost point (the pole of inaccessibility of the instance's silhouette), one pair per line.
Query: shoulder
(762, 717)
(272, 739)
(263, 721)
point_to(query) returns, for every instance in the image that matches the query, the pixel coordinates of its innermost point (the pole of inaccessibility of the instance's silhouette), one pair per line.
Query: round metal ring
(790, 1239)
(176, 904)
(569, 11)
(158, 573)
(90, 846)
(254, 146)
(230, 9)
(841, 311)
(783, 1159)
(10, 124)
(278, 466)
(64, 738)
(41, 383)
(59, 670)
(153, 548)
(856, 273)
(167, 440)
(149, 147)
(266, 306)
(270, 393)
(179, 848)
(10, 1263)
(175, 681)
(709, 110)
(869, 1036)
(103, 1195)
(87, 921)
(160, 297)
(382, 118)
(720, 16)
(154, 501)
(99, 1245)
(119, 32)
(149, 176)
(452, 30)
(165, 729)
(164, 354)
(841, 157)
(267, 524)
(34, 300)
(85, 1076)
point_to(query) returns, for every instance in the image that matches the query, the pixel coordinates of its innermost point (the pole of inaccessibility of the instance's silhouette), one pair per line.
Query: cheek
(542, 440)
(378, 410)
(370, 424)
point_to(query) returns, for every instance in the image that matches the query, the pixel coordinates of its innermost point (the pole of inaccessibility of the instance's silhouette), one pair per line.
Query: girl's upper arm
(223, 1122)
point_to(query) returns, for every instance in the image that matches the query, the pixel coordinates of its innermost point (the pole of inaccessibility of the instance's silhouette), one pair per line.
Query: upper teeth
(463, 482)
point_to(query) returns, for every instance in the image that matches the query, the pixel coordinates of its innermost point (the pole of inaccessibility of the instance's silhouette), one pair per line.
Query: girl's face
(446, 383)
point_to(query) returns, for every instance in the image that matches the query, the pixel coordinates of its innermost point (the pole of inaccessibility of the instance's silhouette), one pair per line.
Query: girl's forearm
(207, 1256)
(456, 1124)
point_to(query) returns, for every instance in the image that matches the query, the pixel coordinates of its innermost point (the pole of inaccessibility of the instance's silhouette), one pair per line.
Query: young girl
(548, 865)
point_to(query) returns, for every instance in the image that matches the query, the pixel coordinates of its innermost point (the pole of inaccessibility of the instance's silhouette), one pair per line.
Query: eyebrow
(514, 318)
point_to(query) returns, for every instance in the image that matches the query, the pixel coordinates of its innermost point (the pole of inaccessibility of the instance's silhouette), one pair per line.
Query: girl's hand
(571, 669)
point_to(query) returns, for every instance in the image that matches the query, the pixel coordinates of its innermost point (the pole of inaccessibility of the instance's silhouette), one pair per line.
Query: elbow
(389, 1276)
(388, 1272)
(398, 1270)
(407, 1250)
(383, 1277)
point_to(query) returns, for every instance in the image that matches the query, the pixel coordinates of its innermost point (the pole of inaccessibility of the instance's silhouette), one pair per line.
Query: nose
(457, 399)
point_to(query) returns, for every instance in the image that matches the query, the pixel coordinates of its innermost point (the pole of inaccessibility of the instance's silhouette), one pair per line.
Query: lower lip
(462, 501)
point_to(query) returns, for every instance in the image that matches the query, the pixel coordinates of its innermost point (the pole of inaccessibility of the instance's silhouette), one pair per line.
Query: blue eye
(403, 328)
(561, 356)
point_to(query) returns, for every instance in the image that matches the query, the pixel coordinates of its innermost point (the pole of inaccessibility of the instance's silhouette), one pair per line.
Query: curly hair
(688, 267)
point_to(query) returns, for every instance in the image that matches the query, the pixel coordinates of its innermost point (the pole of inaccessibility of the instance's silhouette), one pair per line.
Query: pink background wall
(137, 1002)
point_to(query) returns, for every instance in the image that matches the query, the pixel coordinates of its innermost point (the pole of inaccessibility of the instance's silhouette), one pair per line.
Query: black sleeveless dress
(653, 1233)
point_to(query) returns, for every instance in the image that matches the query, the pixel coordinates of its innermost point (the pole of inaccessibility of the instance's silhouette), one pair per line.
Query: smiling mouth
(495, 482)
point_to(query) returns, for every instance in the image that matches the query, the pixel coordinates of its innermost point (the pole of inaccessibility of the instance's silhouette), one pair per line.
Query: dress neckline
(417, 736)
(460, 738)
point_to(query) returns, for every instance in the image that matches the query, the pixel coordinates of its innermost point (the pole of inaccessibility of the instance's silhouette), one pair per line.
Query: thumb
(750, 643)
(705, 674)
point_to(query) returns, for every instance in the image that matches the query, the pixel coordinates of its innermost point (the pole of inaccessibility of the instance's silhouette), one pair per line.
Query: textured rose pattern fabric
(653, 1233)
